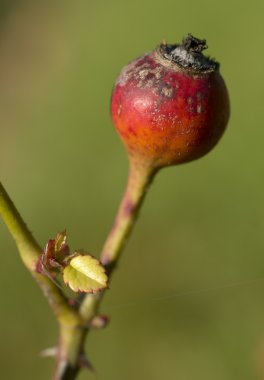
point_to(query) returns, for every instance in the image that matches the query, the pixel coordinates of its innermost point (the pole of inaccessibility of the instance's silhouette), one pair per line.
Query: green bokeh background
(202, 223)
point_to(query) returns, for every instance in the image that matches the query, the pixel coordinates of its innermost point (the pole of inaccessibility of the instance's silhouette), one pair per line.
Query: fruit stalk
(139, 179)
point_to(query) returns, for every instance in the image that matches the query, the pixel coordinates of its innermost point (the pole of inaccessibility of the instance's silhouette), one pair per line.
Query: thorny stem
(70, 352)
(74, 325)
(29, 252)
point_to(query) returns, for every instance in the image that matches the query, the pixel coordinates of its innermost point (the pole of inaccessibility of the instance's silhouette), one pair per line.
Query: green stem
(70, 352)
(139, 179)
(29, 252)
(74, 325)
(26, 244)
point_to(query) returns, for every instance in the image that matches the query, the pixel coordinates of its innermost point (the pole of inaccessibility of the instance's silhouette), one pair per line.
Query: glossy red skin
(168, 115)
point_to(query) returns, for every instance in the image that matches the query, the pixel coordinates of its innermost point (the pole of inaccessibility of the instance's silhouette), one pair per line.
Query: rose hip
(171, 105)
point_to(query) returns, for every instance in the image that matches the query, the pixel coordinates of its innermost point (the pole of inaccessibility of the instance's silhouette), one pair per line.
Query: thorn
(49, 352)
(72, 302)
(85, 363)
(99, 322)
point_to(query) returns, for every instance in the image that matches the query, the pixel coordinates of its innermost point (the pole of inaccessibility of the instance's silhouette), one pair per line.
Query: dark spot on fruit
(167, 91)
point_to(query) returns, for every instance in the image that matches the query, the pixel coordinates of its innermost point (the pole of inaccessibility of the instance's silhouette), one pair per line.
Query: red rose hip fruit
(171, 105)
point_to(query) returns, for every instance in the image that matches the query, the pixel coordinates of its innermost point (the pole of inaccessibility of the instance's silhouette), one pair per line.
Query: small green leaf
(85, 274)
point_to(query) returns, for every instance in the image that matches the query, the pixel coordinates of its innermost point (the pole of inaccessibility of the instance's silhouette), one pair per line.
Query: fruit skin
(166, 113)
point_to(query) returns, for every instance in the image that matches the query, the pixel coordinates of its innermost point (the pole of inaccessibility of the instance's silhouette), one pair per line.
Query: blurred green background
(202, 224)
